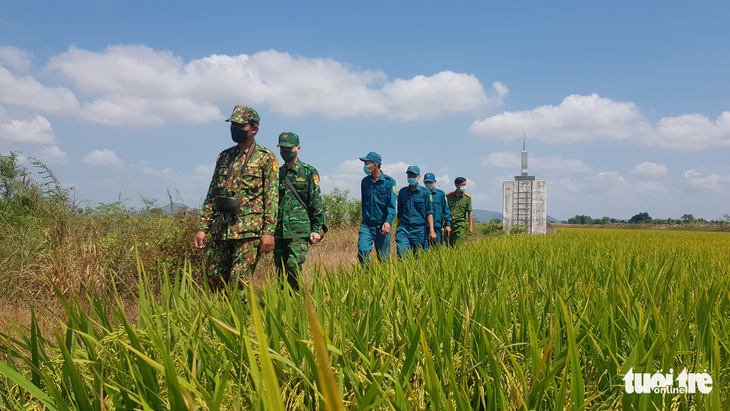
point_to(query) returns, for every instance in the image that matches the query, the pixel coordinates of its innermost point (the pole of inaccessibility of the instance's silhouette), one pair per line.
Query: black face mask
(288, 156)
(238, 135)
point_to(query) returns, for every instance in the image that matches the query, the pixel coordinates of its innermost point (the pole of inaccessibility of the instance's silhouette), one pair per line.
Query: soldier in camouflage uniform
(240, 208)
(297, 225)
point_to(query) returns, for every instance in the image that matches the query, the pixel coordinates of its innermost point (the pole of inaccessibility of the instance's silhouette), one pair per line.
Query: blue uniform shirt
(414, 206)
(441, 211)
(378, 200)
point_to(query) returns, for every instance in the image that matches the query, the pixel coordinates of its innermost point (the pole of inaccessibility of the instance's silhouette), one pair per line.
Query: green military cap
(288, 139)
(244, 114)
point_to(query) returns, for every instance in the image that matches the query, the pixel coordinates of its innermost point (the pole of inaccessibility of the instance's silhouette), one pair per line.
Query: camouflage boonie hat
(244, 115)
(288, 139)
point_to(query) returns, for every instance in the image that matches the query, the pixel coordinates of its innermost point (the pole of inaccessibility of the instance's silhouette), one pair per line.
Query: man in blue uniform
(415, 215)
(378, 210)
(441, 212)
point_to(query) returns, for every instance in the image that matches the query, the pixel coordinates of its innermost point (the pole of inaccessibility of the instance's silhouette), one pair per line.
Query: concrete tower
(524, 201)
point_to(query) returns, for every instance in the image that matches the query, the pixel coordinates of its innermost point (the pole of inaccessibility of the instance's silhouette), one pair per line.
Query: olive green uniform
(459, 205)
(295, 224)
(232, 254)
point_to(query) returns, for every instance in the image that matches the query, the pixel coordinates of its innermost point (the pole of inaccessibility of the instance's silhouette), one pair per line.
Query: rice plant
(509, 323)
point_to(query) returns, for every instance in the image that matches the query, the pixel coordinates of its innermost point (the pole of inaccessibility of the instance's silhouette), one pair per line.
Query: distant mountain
(485, 216)
(174, 207)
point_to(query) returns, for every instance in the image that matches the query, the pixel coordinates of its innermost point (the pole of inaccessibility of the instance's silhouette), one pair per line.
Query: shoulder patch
(275, 166)
(315, 178)
(466, 194)
(394, 190)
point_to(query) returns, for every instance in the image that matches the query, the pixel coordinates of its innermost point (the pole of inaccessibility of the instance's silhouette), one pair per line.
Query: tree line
(645, 218)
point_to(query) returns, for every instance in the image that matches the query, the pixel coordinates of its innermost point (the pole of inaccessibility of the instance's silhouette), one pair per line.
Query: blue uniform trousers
(369, 235)
(407, 238)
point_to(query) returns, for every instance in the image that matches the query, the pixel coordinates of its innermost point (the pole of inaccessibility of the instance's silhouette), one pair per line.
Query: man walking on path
(415, 215)
(301, 214)
(441, 211)
(462, 220)
(240, 208)
(378, 195)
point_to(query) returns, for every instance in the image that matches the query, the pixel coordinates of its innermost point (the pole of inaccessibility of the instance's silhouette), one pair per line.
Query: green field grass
(510, 322)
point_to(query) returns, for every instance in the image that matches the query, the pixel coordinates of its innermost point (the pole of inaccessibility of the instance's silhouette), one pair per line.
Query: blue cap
(374, 157)
(429, 177)
(414, 170)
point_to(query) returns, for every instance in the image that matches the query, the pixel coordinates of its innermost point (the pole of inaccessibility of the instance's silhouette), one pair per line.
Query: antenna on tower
(523, 140)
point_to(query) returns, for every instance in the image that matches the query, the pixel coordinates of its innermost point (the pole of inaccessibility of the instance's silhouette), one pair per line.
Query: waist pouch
(226, 204)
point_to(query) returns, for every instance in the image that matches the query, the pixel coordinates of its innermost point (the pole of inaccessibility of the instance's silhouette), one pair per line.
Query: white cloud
(36, 131)
(52, 155)
(709, 181)
(16, 59)
(649, 169)
(136, 112)
(594, 118)
(138, 83)
(650, 187)
(577, 118)
(396, 170)
(103, 158)
(432, 97)
(691, 132)
(26, 92)
(154, 172)
(503, 159)
(346, 176)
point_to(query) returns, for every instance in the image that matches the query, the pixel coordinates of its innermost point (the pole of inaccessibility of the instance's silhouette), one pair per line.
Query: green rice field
(514, 322)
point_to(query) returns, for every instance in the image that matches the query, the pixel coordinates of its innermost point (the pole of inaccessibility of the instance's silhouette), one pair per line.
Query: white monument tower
(524, 201)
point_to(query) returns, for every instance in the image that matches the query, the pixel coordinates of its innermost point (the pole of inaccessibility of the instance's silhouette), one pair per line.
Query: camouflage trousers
(289, 255)
(229, 262)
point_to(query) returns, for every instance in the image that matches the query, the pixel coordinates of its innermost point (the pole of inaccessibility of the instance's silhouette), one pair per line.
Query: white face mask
(463, 189)
(429, 185)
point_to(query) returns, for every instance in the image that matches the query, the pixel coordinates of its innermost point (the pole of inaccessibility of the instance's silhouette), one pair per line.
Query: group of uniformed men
(248, 214)
(423, 212)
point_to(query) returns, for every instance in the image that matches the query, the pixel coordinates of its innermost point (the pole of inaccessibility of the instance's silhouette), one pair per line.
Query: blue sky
(624, 104)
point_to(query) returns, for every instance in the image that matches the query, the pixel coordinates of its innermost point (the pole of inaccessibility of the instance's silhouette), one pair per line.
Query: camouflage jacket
(294, 221)
(256, 191)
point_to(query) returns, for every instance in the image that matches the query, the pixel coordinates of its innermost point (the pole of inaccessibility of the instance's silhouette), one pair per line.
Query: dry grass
(74, 262)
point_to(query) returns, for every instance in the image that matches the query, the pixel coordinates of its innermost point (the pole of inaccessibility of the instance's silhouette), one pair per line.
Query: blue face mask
(412, 181)
(366, 170)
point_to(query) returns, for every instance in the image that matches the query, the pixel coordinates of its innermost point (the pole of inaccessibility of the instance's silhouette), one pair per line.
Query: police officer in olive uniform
(301, 214)
(441, 211)
(240, 208)
(378, 210)
(462, 221)
(415, 215)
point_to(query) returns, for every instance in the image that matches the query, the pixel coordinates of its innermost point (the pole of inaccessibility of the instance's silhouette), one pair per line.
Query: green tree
(580, 219)
(340, 210)
(642, 217)
(688, 218)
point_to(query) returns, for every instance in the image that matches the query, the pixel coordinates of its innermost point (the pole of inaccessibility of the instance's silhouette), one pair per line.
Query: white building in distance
(524, 201)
